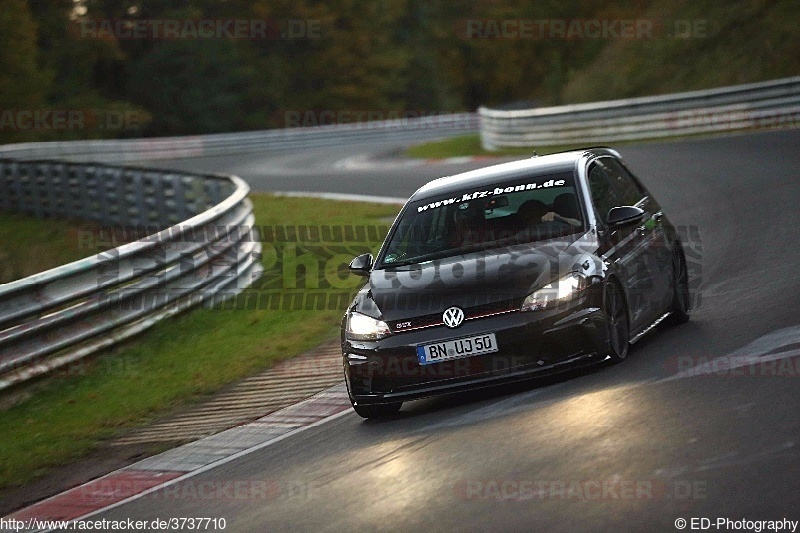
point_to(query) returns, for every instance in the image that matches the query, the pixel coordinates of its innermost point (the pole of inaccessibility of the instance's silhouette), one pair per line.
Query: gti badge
(453, 317)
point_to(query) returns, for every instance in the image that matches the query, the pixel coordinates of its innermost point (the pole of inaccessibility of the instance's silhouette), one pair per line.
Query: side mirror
(624, 215)
(361, 264)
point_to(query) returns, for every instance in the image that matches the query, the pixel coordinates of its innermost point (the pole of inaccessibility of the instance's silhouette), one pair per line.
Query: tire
(681, 303)
(617, 322)
(378, 410)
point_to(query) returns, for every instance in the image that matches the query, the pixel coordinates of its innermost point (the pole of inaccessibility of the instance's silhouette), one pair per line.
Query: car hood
(480, 283)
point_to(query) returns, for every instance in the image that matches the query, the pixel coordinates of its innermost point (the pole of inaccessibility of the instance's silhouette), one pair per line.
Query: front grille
(470, 313)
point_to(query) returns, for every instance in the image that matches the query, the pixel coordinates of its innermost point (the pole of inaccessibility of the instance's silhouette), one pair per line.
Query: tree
(192, 87)
(23, 84)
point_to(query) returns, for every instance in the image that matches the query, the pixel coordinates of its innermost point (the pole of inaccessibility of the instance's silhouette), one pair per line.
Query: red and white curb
(178, 464)
(282, 385)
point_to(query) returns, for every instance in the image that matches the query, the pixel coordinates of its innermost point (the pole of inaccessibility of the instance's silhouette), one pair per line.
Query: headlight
(562, 290)
(364, 328)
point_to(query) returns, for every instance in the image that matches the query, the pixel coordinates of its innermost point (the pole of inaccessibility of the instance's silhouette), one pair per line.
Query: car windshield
(533, 209)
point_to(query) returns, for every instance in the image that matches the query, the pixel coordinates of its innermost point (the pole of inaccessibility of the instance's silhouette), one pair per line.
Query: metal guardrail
(756, 105)
(127, 150)
(200, 251)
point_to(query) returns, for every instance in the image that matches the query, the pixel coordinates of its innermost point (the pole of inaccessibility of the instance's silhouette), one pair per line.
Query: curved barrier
(197, 247)
(757, 105)
(126, 150)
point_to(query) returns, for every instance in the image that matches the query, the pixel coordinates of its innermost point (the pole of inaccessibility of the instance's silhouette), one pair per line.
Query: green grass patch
(470, 145)
(29, 245)
(182, 360)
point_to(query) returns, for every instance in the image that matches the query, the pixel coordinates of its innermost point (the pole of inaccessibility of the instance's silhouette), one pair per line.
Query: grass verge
(29, 245)
(183, 359)
(470, 145)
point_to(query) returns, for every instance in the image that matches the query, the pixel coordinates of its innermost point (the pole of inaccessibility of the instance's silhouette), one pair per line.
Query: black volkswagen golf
(508, 272)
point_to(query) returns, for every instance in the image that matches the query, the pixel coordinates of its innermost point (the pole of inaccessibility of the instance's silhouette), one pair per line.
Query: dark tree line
(380, 56)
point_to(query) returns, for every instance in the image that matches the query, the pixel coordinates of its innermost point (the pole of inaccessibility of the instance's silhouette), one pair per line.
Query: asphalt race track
(631, 447)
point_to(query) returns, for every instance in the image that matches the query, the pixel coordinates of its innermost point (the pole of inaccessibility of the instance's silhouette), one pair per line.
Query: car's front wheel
(680, 287)
(617, 322)
(377, 410)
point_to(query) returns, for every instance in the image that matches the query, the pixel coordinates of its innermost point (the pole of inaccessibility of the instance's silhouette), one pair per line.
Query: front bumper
(530, 343)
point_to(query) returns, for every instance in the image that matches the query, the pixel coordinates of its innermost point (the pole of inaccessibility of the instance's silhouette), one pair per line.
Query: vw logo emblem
(453, 317)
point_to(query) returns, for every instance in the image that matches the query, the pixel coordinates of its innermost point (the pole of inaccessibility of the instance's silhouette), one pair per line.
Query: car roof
(533, 166)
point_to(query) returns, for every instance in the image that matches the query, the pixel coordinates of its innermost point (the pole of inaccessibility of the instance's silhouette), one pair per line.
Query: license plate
(456, 349)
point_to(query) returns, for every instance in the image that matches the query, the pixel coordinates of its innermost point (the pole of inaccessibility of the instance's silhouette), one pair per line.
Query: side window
(604, 194)
(626, 186)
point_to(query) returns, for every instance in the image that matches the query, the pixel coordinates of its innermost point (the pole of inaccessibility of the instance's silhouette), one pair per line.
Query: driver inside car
(469, 220)
(566, 210)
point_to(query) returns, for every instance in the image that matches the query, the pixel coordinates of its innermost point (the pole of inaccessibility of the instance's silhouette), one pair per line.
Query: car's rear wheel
(377, 410)
(617, 322)
(680, 287)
